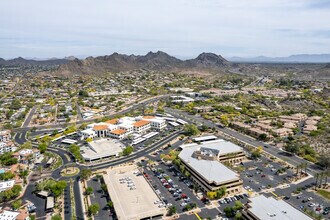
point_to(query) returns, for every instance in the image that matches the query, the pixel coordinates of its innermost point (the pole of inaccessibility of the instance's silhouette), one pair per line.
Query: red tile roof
(140, 123)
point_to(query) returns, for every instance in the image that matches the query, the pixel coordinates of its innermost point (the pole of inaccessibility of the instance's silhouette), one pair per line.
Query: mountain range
(21, 61)
(299, 58)
(205, 63)
(155, 61)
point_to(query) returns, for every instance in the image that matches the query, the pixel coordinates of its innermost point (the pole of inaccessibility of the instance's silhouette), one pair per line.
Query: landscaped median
(323, 192)
(70, 171)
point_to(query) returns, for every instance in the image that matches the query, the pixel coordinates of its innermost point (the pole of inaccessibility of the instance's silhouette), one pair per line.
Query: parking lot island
(132, 196)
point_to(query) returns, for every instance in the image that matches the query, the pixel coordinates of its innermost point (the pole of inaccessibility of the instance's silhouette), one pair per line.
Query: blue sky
(183, 28)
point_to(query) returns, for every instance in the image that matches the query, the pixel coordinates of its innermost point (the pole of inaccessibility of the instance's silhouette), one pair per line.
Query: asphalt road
(130, 108)
(293, 160)
(28, 195)
(67, 159)
(20, 138)
(29, 116)
(79, 112)
(138, 154)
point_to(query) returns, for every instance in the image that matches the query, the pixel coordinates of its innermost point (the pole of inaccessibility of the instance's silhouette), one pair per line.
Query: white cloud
(183, 28)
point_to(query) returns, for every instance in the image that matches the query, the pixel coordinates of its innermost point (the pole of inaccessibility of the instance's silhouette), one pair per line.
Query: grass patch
(324, 193)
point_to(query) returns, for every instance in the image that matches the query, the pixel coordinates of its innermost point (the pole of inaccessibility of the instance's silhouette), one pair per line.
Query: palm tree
(305, 167)
(40, 170)
(321, 179)
(327, 173)
(299, 167)
(302, 166)
(317, 176)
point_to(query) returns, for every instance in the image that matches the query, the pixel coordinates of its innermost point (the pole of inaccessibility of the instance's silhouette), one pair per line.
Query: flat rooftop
(131, 203)
(224, 147)
(102, 148)
(270, 208)
(205, 138)
(211, 170)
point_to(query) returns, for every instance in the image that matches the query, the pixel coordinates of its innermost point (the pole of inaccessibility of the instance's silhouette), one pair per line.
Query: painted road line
(199, 218)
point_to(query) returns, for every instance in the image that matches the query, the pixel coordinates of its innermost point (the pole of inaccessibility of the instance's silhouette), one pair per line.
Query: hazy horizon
(184, 29)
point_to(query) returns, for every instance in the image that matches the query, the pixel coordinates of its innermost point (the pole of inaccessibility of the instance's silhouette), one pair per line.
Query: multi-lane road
(126, 110)
(67, 158)
(20, 138)
(293, 160)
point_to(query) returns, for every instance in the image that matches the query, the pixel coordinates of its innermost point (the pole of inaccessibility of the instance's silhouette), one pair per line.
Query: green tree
(83, 93)
(16, 204)
(128, 150)
(171, 210)
(93, 209)
(75, 151)
(324, 161)
(40, 170)
(16, 189)
(27, 145)
(89, 139)
(263, 137)
(42, 147)
(191, 129)
(56, 217)
(89, 190)
(229, 212)
(6, 159)
(255, 154)
(110, 204)
(55, 132)
(221, 192)
(23, 173)
(104, 188)
(238, 205)
(16, 104)
(292, 148)
(7, 175)
(224, 120)
(58, 188)
(238, 216)
(85, 174)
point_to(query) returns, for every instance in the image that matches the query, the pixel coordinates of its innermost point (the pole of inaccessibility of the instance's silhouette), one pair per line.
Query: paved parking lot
(67, 203)
(260, 175)
(181, 196)
(99, 197)
(306, 199)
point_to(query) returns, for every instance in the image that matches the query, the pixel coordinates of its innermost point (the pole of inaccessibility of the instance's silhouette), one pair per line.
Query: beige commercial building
(204, 162)
(261, 207)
